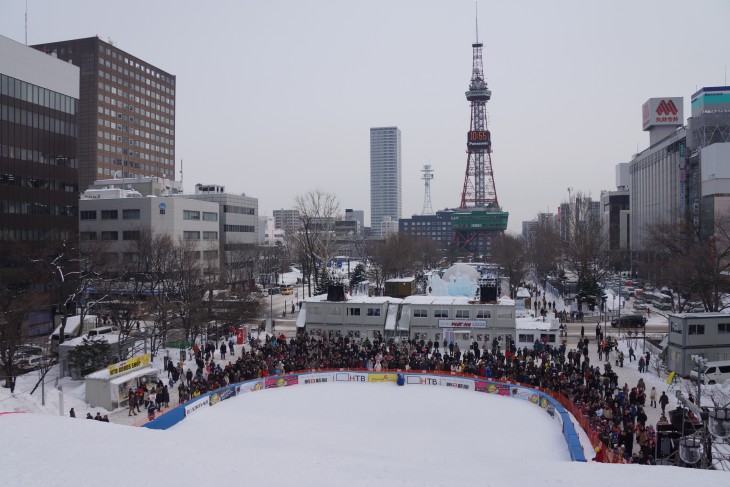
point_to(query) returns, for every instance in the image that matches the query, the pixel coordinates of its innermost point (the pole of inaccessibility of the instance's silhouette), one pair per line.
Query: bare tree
(544, 247)
(584, 251)
(511, 254)
(692, 265)
(18, 297)
(316, 237)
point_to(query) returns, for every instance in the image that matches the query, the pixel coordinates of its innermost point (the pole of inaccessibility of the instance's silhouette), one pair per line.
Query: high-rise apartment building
(385, 175)
(126, 112)
(287, 220)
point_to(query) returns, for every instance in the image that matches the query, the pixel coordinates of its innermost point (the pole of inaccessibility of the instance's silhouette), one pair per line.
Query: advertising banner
(462, 324)
(287, 380)
(382, 377)
(456, 383)
(492, 388)
(121, 368)
(526, 394)
(351, 377)
(253, 386)
(418, 379)
(308, 379)
(196, 405)
(219, 396)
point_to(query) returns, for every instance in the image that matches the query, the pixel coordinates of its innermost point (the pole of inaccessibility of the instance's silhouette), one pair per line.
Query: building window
(192, 254)
(723, 327)
(462, 313)
(210, 235)
(191, 235)
(130, 257)
(484, 313)
(88, 215)
(130, 235)
(130, 214)
(353, 311)
(191, 215)
(505, 316)
(210, 217)
(526, 338)
(109, 214)
(334, 310)
(210, 254)
(441, 313)
(696, 329)
(373, 311)
(110, 235)
(420, 313)
(86, 236)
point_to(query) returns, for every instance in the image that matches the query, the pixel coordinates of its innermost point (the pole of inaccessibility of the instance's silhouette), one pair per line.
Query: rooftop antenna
(26, 22)
(181, 175)
(427, 177)
(476, 19)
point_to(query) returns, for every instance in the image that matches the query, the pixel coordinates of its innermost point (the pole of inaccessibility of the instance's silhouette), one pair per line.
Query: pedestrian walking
(631, 354)
(641, 364)
(224, 349)
(663, 401)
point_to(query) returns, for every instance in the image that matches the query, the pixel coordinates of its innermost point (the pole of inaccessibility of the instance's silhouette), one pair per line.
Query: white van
(715, 372)
(102, 330)
(73, 323)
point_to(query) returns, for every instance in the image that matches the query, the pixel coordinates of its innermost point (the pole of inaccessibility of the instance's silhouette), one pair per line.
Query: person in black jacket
(663, 401)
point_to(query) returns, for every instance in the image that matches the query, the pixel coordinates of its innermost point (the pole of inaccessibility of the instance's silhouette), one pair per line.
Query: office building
(38, 161)
(287, 220)
(38, 152)
(655, 172)
(118, 217)
(385, 175)
(238, 218)
(435, 227)
(126, 112)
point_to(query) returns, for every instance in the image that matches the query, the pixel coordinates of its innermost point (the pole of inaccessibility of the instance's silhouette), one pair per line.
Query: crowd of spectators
(614, 412)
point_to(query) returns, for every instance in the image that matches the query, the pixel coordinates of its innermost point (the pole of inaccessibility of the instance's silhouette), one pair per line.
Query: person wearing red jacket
(600, 455)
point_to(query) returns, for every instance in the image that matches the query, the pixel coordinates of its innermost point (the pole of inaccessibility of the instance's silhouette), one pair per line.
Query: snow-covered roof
(441, 300)
(356, 299)
(403, 279)
(533, 324)
(523, 293)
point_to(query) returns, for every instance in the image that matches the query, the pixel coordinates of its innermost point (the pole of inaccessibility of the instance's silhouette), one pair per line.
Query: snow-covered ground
(319, 435)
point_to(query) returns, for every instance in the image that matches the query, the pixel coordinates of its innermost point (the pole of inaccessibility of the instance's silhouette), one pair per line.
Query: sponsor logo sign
(286, 381)
(351, 377)
(382, 377)
(492, 388)
(316, 379)
(121, 368)
(426, 381)
(196, 405)
(457, 383)
(252, 386)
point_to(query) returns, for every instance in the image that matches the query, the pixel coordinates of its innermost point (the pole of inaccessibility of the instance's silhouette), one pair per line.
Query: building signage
(351, 377)
(658, 112)
(462, 324)
(121, 368)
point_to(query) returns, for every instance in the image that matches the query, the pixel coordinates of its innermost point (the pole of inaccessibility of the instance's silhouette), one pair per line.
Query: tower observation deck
(479, 216)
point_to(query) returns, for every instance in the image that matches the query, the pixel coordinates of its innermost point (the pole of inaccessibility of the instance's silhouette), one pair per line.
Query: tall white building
(385, 175)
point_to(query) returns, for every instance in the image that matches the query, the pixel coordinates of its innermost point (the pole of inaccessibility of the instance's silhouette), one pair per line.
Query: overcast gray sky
(276, 98)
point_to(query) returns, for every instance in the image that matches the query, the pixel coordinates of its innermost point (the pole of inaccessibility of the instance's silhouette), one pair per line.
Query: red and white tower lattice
(479, 190)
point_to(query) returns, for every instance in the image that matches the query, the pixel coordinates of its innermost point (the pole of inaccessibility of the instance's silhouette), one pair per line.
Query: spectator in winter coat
(652, 397)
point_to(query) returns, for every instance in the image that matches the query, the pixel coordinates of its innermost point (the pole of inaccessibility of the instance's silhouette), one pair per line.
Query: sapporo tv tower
(479, 216)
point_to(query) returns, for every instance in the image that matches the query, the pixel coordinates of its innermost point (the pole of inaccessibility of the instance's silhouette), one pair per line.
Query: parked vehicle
(714, 373)
(30, 362)
(102, 330)
(627, 321)
(640, 305)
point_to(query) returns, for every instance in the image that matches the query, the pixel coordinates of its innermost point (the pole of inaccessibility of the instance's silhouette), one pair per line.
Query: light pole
(271, 309)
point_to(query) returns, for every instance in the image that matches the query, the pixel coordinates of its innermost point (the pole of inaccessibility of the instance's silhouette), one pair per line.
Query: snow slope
(318, 435)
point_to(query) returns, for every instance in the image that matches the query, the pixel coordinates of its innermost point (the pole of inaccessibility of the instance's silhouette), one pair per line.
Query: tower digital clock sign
(479, 138)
